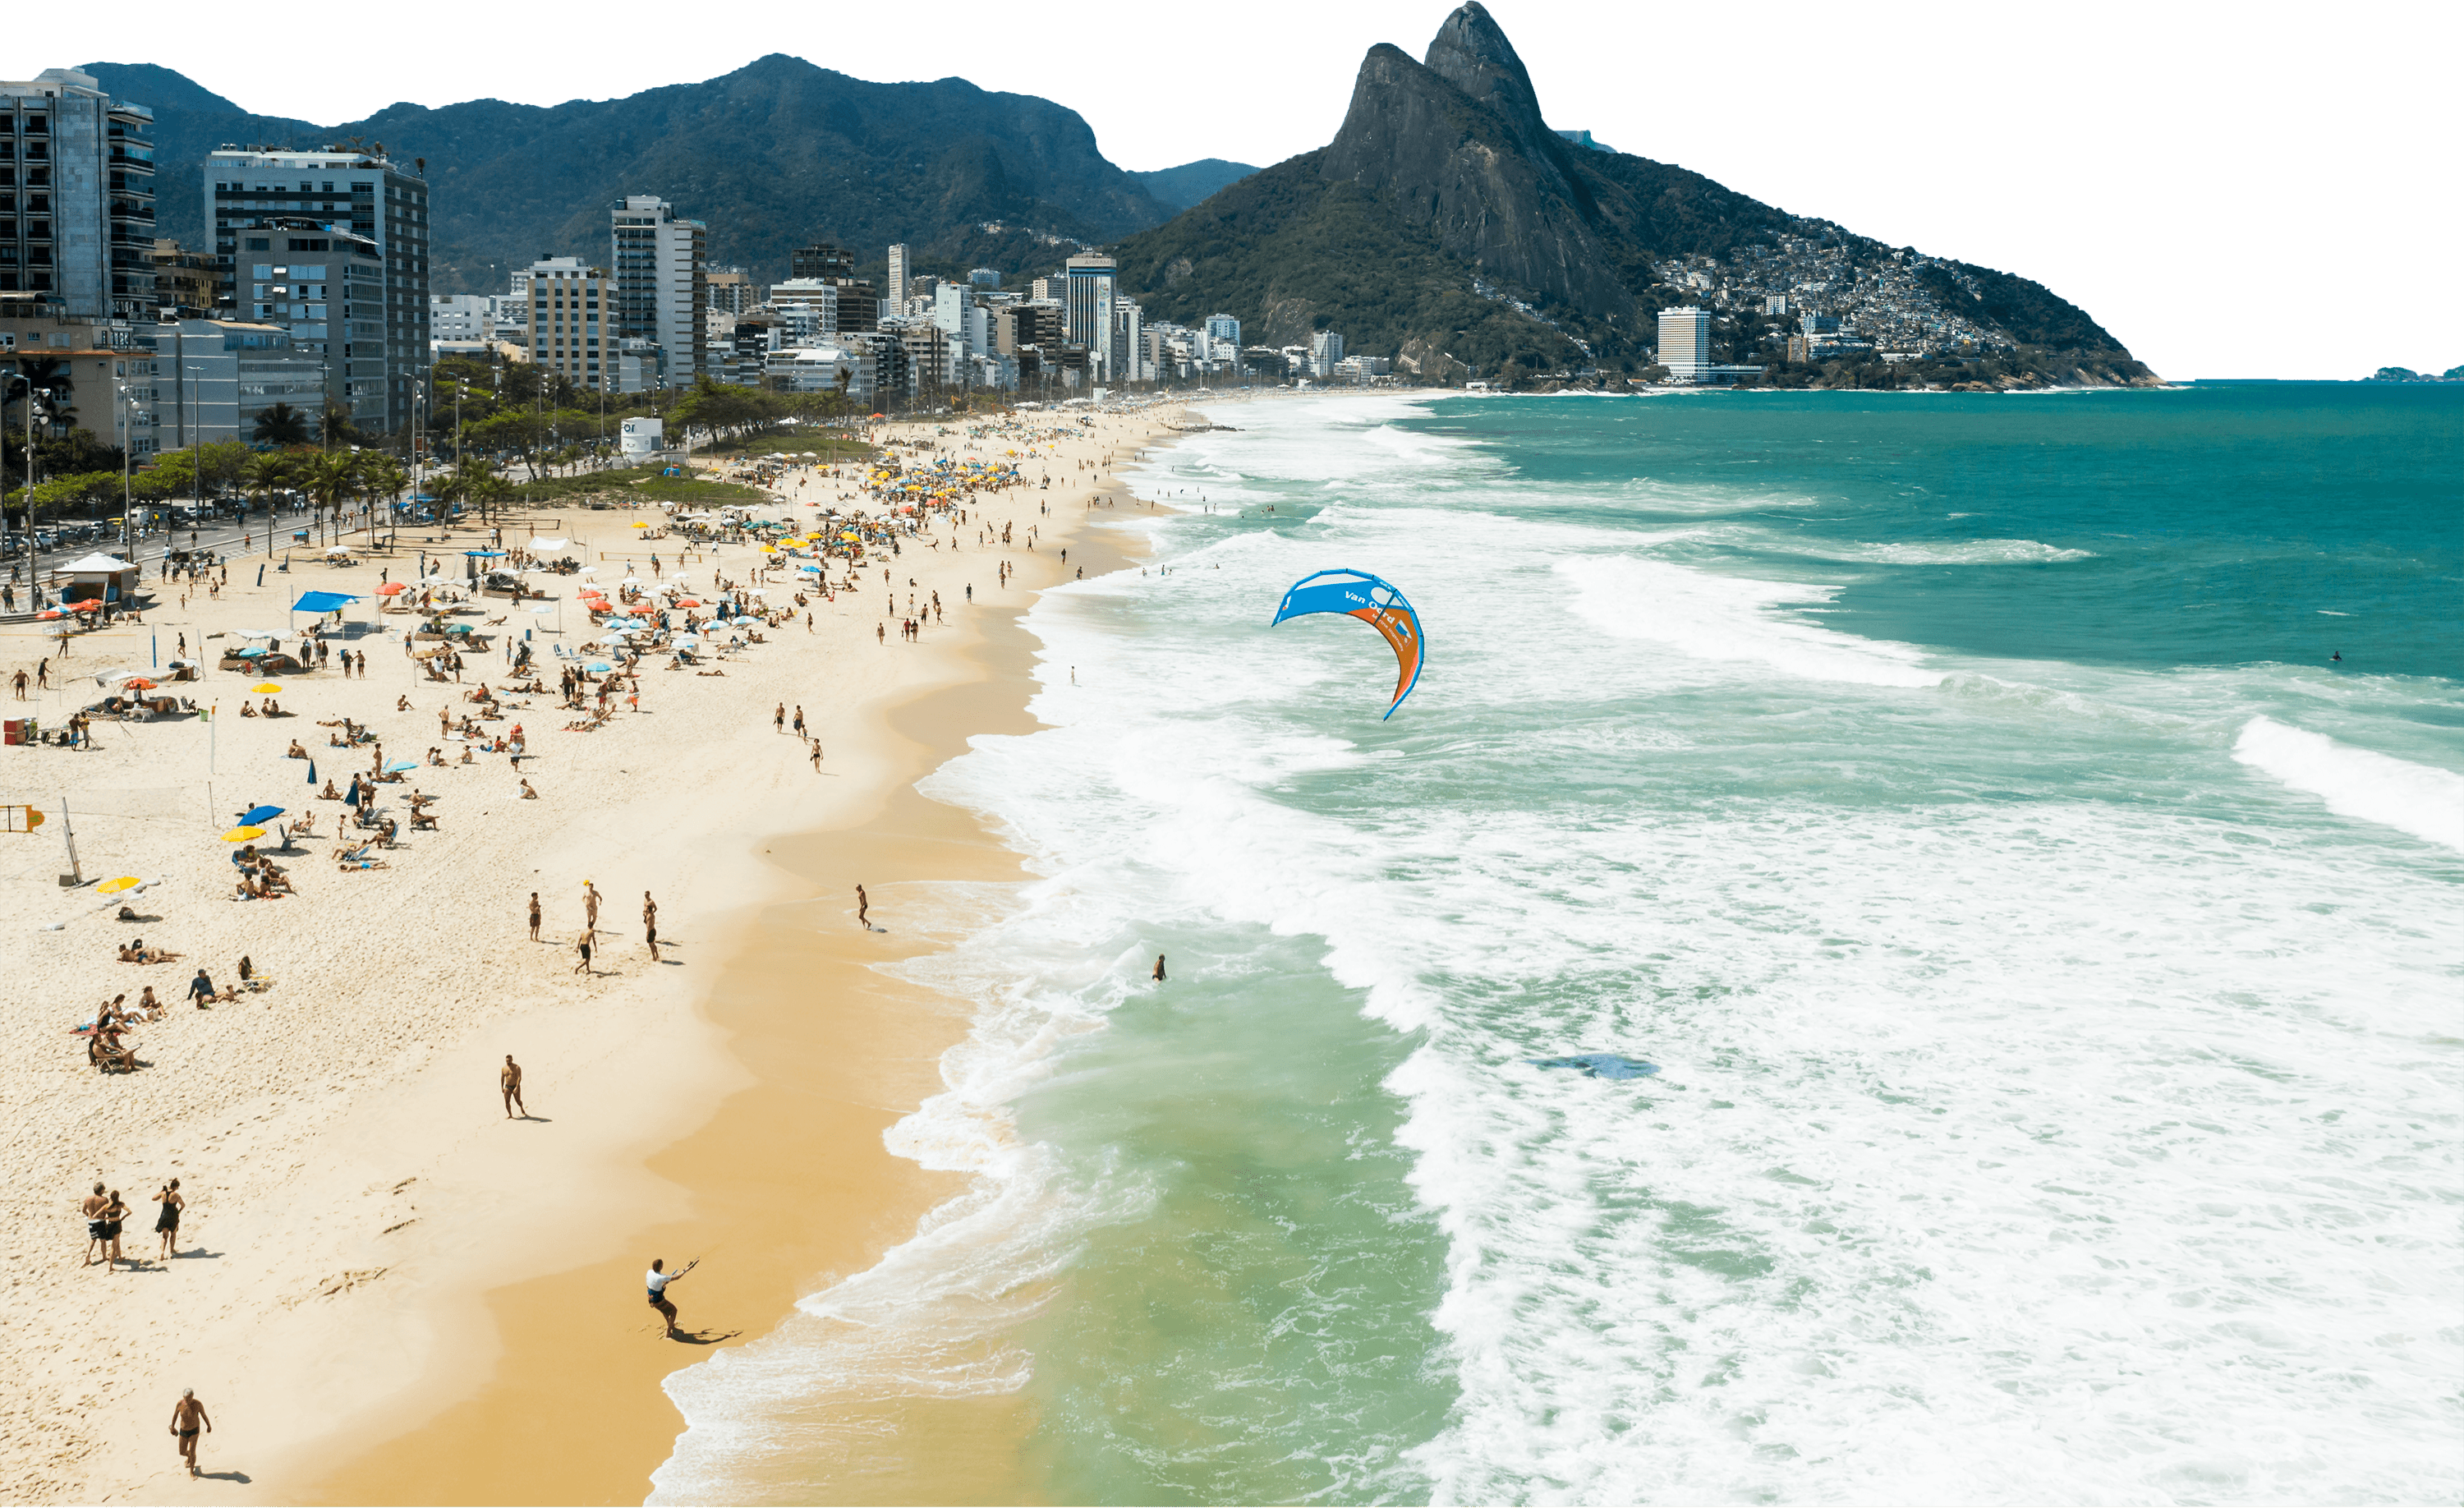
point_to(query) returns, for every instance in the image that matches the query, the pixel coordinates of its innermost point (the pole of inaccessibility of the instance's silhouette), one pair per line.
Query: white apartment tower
(81, 171)
(570, 324)
(897, 289)
(332, 246)
(662, 283)
(1686, 343)
(1088, 315)
(1325, 349)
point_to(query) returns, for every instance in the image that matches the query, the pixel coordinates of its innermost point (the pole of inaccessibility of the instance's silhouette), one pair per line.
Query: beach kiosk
(108, 577)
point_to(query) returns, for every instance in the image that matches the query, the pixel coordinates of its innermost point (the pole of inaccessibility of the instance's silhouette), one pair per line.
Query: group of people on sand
(106, 1213)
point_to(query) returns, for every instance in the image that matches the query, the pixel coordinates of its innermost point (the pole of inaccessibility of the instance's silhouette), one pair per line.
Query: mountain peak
(1471, 53)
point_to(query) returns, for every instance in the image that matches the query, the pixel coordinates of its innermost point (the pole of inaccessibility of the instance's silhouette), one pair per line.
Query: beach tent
(321, 602)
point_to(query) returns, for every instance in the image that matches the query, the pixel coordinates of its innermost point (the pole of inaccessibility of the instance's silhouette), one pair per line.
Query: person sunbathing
(296, 752)
(358, 859)
(401, 704)
(137, 952)
(246, 711)
(272, 707)
(435, 756)
(305, 827)
(329, 794)
(529, 795)
(272, 882)
(150, 1007)
(385, 831)
(466, 755)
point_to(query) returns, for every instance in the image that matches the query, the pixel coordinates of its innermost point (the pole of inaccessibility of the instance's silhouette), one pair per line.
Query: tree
(269, 472)
(280, 424)
(329, 480)
(334, 425)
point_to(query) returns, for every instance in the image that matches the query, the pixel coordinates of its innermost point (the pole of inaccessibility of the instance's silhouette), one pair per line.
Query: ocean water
(2052, 960)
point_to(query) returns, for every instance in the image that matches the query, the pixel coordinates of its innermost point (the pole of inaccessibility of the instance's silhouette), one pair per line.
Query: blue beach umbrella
(599, 668)
(312, 772)
(402, 766)
(252, 652)
(258, 816)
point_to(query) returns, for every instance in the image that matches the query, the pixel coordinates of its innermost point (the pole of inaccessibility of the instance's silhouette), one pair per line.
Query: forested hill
(775, 155)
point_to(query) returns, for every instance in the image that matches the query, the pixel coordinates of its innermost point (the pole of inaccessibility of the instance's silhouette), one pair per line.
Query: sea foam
(2427, 802)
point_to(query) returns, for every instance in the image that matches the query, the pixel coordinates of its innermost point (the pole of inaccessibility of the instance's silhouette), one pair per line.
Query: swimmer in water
(2337, 657)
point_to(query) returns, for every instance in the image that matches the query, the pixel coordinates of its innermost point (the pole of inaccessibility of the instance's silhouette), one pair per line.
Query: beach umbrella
(121, 886)
(392, 589)
(632, 581)
(599, 668)
(140, 684)
(243, 834)
(402, 766)
(260, 814)
(255, 633)
(265, 688)
(540, 610)
(688, 601)
(639, 524)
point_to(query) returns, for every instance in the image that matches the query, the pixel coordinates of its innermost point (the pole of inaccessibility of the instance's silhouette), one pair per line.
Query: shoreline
(416, 1305)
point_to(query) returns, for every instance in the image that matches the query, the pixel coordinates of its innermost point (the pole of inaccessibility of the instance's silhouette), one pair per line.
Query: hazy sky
(2248, 191)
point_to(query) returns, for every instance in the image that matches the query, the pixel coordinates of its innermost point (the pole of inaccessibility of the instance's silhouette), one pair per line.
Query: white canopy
(549, 544)
(96, 563)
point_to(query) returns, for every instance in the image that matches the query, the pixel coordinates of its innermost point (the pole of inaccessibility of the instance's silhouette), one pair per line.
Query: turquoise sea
(2052, 958)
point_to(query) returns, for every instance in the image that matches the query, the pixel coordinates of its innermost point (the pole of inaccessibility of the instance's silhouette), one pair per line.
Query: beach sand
(387, 1290)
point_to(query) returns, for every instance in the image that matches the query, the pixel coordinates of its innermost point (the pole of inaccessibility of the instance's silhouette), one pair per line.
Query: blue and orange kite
(1357, 594)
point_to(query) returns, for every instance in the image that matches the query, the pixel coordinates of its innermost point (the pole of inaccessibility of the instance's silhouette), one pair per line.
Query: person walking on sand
(650, 924)
(535, 916)
(863, 918)
(582, 946)
(93, 1206)
(799, 720)
(509, 1082)
(187, 1415)
(817, 756)
(778, 719)
(657, 1281)
(168, 1223)
(590, 905)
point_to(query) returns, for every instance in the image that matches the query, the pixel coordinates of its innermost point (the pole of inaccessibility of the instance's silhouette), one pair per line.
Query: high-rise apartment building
(662, 282)
(1093, 282)
(332, 247)
(1686, 342)
(1128, 342)
(572, 326)
(731, 290)
(825, 262)
(1225, 329)
(1326, 348)
(895, 295)
(80, 172)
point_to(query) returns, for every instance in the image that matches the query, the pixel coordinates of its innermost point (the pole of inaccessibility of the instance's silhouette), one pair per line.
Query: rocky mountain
(1447, 226)
(773, 156)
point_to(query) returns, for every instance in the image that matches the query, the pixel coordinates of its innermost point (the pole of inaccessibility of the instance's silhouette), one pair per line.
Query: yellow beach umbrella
(638, 524)
(126, 882)
(243, 835)
(268, 688)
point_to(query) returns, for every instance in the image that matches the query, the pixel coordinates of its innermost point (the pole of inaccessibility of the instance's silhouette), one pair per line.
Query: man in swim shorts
(187, 1415)
(509, 1080)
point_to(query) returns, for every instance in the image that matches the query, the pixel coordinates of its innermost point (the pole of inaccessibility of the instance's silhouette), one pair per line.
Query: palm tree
(329, 480)
(280, 424)
(268, 472)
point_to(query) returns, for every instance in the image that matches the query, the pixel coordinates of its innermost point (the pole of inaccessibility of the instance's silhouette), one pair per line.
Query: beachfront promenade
(354, 1191)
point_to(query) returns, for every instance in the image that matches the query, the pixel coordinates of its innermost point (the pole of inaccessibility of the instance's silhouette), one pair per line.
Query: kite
(1356, 594)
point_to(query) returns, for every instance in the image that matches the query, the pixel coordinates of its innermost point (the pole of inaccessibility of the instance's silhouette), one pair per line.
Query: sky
(2247, 190)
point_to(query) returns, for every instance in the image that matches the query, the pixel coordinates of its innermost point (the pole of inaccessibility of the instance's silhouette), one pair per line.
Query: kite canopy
(1357, 594)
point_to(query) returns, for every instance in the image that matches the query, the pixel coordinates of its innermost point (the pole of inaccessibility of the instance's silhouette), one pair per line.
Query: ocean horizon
(2023, 839)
